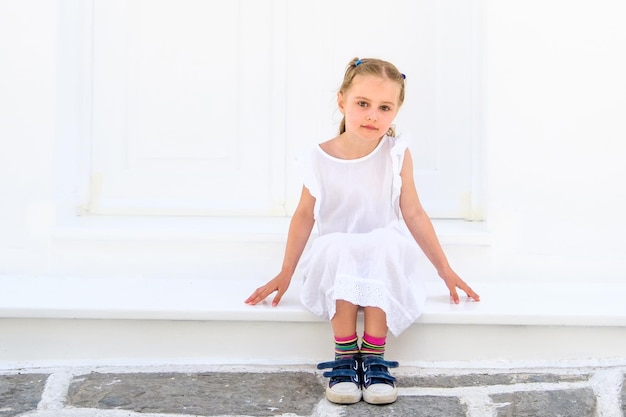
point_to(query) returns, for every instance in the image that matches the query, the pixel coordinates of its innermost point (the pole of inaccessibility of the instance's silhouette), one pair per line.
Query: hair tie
(403, 76)
(358, 62)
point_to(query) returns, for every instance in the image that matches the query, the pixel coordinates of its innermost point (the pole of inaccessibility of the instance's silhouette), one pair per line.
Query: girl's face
(370, 105)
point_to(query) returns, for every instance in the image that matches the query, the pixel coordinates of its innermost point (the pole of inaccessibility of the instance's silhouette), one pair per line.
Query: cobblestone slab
(207, 394)
(562, 403)
(20, 393)
(414, 406)
(477, 380)
(299, 392)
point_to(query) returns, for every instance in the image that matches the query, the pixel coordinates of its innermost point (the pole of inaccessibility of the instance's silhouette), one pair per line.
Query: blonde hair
(371, 66)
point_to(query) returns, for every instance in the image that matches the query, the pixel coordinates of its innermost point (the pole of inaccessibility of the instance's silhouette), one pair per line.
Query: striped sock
(346, 346)
(373, 345)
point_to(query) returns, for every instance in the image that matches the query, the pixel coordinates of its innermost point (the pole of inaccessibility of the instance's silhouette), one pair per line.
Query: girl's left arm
(423, 232)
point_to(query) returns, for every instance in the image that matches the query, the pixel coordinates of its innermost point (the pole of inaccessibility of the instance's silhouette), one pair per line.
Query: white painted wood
(183, 110)
(217, 248)
(201, 107)
(434, 44)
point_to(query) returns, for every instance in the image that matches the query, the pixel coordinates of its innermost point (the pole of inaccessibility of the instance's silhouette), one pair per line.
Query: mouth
(369, 127)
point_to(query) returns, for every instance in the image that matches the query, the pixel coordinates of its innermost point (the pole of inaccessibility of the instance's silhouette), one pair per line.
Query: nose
(372, 115)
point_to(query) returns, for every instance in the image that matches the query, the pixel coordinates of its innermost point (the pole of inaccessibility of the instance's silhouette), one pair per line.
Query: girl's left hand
(453, 281)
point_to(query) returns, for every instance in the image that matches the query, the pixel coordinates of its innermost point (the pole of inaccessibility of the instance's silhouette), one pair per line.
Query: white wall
(557, 137)
(555, 111)
(27, 129)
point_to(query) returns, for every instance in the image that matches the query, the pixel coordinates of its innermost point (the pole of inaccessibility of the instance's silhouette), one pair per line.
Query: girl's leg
(344, 386)
(375, 322)
(378, 385)
(344, 320)
(344, 330)
(375, 334)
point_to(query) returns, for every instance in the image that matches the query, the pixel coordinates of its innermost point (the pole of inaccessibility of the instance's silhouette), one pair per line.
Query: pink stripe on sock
(377, 341)
(345, 339)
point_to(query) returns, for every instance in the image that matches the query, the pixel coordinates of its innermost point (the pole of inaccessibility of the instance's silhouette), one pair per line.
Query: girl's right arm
(299, 232)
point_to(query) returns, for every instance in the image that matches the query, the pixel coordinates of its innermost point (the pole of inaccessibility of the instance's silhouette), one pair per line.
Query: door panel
(428, 41)
(200, 107)
(181, 119)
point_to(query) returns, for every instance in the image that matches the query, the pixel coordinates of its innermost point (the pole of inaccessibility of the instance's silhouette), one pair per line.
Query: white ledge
(136, 298)
(224, 229)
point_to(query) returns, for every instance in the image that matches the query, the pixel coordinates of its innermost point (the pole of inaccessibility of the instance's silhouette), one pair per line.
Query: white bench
(46, 320)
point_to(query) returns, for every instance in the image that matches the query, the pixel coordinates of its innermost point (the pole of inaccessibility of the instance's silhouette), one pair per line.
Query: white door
(201, 106)
(182, 118)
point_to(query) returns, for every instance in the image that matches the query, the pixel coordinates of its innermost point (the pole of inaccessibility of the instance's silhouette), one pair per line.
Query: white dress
(364, 253)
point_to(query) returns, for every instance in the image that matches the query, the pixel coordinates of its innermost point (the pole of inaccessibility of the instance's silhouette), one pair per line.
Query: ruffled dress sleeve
(399, 146)
(308, 174)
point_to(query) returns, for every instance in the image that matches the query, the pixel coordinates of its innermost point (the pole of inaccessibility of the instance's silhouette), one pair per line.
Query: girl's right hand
(278, 284)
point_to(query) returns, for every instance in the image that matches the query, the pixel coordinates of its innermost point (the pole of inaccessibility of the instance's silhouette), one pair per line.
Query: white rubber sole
(344, 393)
(380, 394)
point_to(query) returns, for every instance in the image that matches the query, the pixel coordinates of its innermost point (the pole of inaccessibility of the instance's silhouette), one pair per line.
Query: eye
(385, 108)
(362, 103)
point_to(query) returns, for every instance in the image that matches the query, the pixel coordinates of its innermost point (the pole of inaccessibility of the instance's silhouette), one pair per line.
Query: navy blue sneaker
(379, 387)
(344, 386)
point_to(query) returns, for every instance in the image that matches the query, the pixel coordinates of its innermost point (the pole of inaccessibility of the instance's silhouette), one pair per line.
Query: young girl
(355, 187)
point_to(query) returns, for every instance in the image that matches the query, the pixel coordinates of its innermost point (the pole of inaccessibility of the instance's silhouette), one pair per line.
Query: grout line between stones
(607, 386)
(55, 391)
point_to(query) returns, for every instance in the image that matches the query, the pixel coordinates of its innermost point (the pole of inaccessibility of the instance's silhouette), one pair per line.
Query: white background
(553, 101)
(201, 107)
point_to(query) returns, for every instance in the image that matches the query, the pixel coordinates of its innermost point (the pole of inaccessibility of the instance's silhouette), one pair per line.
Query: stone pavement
(567, 391)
